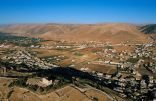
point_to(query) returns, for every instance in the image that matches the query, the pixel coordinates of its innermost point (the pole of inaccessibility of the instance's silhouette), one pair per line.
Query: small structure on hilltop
(41, 82)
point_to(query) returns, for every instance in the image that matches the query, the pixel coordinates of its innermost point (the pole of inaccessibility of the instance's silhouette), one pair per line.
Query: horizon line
(69, 23)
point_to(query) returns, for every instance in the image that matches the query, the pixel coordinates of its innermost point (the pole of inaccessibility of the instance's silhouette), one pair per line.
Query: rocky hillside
(149, 29)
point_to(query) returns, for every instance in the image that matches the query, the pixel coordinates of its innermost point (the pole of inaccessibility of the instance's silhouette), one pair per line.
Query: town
(127, 70)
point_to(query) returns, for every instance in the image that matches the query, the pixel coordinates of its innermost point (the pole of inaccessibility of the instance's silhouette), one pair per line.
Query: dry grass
(67, 93)
(101, 96)
(4, 90)
(101, 68)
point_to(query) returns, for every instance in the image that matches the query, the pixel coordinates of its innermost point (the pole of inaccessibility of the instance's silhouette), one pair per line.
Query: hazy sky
(77, 11)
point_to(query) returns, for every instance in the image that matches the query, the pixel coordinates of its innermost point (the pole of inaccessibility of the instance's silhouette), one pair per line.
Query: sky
(77, 11)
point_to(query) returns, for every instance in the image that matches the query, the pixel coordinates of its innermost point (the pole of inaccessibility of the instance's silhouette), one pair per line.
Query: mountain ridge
(107, 32)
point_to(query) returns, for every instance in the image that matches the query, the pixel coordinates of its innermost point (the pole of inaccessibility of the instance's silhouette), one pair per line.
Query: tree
(95, 99)
(146, 78)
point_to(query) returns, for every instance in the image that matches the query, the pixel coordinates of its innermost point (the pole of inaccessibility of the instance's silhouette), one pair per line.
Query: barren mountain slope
(149, 30)
(114, 33)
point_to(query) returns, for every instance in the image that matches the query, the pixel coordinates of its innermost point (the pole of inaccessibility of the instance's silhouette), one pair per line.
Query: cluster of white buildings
(23, 56)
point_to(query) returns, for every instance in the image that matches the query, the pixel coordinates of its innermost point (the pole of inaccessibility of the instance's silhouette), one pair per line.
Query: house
(84, 69)
(100, 74)
(107, 76)
(41, 82)
(143, 84)
(45, 82)
(3, 70)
